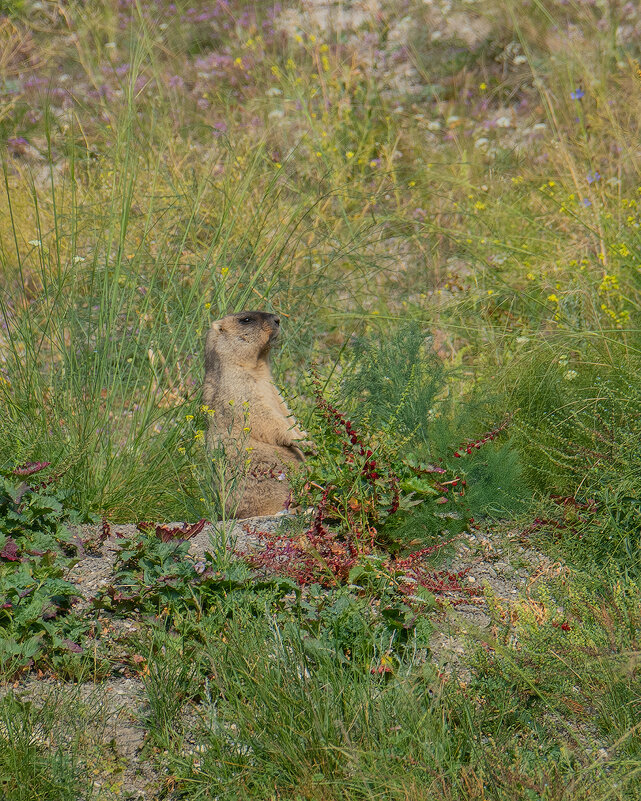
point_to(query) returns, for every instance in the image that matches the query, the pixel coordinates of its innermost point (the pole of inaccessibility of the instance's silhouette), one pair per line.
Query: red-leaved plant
(351, 478)
(321, 556)
(356, 484)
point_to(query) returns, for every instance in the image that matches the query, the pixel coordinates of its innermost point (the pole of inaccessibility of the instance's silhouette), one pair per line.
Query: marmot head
(242, 338)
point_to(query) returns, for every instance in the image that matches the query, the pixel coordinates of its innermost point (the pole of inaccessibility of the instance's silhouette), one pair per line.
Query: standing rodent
(248, 416)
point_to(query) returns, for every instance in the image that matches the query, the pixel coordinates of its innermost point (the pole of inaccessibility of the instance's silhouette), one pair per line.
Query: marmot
(249, 418)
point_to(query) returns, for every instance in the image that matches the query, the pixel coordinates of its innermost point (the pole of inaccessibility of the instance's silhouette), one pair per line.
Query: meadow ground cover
(440, 198)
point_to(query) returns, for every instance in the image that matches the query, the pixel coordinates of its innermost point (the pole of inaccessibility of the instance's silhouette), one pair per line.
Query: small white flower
(434, 125)
(570, 375)
(36, 243)
(78, 259)
(522, 340)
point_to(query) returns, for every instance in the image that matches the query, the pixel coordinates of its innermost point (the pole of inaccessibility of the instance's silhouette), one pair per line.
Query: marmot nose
(277, 320)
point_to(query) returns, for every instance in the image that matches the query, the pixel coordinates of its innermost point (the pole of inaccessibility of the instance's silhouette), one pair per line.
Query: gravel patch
(94, 569)
(493, 560)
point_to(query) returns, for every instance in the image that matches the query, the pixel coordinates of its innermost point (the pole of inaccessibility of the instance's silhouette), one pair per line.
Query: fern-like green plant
(395, 381)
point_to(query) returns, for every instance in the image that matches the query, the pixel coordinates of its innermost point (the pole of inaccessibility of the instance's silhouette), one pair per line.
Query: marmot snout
(250, 417)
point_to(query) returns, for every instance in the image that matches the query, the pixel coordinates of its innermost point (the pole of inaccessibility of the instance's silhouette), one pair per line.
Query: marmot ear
(217, 327)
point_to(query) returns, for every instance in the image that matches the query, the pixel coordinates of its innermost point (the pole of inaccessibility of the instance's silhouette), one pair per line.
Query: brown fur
(250, 417)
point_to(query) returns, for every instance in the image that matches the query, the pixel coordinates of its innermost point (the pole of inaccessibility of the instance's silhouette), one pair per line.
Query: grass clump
(333, 722)
(36, 758)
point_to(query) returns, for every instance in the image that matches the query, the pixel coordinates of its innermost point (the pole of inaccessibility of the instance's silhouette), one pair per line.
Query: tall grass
(39, 747)
(179, 169)
(279, 714)
(114, 266)
(192, 161)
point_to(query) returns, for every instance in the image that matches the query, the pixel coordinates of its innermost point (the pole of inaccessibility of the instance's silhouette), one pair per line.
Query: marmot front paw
(306, 445)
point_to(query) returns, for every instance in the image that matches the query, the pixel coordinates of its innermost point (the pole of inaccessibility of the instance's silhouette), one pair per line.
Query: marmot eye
(245, 320)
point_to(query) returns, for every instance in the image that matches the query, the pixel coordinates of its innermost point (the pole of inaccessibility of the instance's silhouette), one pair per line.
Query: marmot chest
(266, 399)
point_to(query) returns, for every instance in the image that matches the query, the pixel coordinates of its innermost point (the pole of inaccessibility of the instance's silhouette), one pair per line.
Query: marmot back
(250, 418)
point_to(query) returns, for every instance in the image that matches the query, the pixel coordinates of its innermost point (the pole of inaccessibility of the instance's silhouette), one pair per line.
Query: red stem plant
(355, 508)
